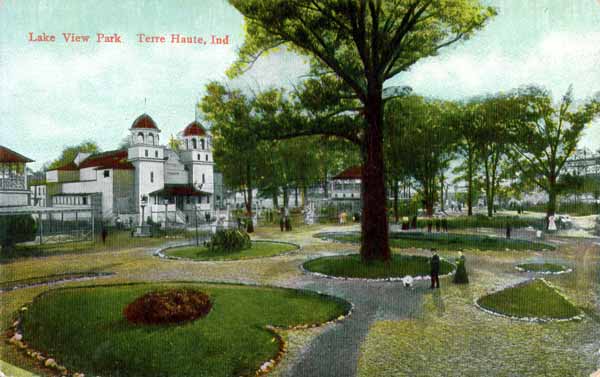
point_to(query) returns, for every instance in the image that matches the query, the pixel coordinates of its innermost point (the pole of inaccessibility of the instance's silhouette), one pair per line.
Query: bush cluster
(171, 306)
(229, 240)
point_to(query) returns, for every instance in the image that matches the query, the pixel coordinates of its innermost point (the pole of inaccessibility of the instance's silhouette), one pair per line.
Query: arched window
(203, 180)
(140, 138)
(207, 157)
(194, 144)
(202, 143)
(151, 139)
(151, 177)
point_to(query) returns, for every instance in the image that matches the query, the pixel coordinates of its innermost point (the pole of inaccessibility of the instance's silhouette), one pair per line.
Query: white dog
(407, 281)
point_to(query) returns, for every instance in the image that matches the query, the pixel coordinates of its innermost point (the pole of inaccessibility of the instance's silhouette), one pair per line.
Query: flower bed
(543, 268)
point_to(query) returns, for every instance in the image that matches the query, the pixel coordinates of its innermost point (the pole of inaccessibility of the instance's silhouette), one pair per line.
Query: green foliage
(546, 135)
(232, 340)
(258, 250)
(70, 152)
(15, 229)
(532, 299)
(229, 241)
(352, 266)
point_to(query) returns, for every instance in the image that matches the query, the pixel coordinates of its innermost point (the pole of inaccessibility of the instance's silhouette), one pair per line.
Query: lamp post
(143, 203)
(166, 201)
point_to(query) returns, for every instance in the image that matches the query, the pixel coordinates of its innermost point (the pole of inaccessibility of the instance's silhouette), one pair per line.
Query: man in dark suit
(435, 269)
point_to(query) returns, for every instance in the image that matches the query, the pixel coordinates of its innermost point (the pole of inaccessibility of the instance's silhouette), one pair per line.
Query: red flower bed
(171, 306)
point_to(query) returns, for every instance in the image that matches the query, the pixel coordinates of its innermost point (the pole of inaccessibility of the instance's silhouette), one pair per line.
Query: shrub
(172, 306)
(15, 229)
(229, 240)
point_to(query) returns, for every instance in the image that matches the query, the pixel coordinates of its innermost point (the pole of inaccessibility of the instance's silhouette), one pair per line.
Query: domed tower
(147, 156)
(196, 154)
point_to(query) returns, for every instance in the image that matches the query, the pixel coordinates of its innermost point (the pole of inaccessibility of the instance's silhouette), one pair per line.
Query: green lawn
(258, 249)
(352, 267)
(542, 267)
(533, 299)
(85, 330)
(444, 241)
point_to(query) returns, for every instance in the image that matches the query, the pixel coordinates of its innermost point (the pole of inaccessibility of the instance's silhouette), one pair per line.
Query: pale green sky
(56, 93)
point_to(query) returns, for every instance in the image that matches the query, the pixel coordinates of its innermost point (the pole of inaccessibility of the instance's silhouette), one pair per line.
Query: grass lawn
(85, 330)
(444, 241)
(542, 267)
(532, 299)
(351, 266)
(258, 249)
(116, 240)
(482, 221)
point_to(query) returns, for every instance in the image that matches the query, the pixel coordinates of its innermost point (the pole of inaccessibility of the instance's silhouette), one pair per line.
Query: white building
(146, 180)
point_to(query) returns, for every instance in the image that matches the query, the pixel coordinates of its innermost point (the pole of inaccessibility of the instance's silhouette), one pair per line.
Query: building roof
(8, 155)
(178, 190)
(144, 121)
(194, 129)
(354, 172)
(67, 167)
(108, 160)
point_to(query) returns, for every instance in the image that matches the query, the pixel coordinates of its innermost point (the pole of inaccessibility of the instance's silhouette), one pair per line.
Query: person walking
(435, 269)
(104, 234)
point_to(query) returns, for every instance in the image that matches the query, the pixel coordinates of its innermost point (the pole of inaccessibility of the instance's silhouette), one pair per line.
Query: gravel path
(335, 352)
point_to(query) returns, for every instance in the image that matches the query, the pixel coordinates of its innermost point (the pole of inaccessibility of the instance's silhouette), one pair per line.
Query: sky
(54, 94)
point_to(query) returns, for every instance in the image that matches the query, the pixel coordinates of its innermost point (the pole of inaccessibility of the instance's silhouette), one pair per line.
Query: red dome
(144, 121)
(194, 129)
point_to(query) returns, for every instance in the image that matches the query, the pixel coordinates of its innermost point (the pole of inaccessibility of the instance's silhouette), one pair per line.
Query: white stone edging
(390, 279)
(565, 271)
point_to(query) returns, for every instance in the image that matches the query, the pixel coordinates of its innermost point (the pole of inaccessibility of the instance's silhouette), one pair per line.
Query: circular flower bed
(258, 249)
(172, 306)
(351, 266)
(543, 268)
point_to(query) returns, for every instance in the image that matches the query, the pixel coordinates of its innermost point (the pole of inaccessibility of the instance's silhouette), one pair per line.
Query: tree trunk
(275, 199)
(551, 207)
(326, 188)
(374, 224)
(442, 192)
(286, 197)
(249, 223)
(296, 197)
(303, 196)
(395, 188)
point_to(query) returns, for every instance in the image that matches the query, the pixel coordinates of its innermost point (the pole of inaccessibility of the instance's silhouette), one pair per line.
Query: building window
(202, 143)
(206, 157)
(106, 173)
(156, 154)
(151, 139)
(203, 180)
(151, 177)
(198, 156)
(146, 152)
(208, 200)
(140, 138)
(194, 144)
(85, 200)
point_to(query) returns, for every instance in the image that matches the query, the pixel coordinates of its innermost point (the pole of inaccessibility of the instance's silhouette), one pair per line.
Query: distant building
(346, 185)
(13, 178)
(584, 162)
(146, 180)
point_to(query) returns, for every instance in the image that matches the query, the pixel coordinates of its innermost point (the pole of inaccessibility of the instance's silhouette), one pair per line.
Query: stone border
(565, 271)
(66, 279)
(160, 252)
(15, 334)
(390, 279)
(578, 317)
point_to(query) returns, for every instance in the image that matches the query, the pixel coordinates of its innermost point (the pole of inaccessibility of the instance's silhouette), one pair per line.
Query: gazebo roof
(179, 190)
(8, 155)
(354, 172)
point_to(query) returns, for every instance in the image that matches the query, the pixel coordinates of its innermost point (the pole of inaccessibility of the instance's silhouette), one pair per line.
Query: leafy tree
(235, 145)
(547, 134)
(15, 229)
(427, 143)
(70, 152)
(174, 144)
(357, 45)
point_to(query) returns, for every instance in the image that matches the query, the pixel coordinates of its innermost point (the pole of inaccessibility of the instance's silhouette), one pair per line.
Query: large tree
(70, 152)
(547, 134)
(362, 43)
